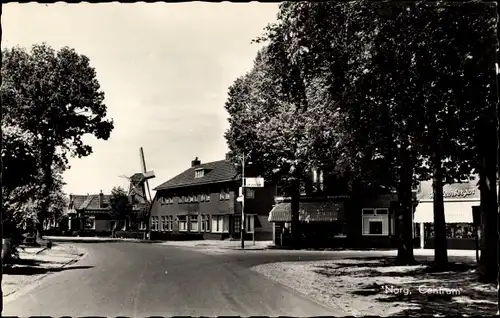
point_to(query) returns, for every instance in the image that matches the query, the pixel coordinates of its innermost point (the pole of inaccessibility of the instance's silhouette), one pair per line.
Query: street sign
(254, 182)
(239, 199)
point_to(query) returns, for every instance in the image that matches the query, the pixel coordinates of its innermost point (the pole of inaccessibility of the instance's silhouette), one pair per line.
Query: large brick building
(202, 201)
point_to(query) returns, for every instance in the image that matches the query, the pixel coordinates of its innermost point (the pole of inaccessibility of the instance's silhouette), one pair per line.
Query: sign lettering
(457, 193)
(254, 182)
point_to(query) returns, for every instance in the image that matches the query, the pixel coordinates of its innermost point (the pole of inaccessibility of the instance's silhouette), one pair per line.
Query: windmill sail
(147, 174)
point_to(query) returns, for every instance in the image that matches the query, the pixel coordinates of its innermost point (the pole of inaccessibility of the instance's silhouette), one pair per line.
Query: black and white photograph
(209, 159)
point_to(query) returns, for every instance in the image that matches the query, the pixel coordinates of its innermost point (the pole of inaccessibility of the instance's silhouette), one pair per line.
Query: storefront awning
(308, 212)
(454, 212)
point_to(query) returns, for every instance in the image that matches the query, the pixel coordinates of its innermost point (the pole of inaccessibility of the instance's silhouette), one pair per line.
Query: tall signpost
(243, 201)
(246, 183)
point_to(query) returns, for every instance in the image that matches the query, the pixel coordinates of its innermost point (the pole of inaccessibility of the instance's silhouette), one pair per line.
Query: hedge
(129, 234)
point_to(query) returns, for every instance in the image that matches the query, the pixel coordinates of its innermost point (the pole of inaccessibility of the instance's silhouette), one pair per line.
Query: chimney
(195, 162)
(101, 200)
(228, 156)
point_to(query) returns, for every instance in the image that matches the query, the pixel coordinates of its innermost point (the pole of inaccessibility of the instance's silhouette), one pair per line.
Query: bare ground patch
(373, 286)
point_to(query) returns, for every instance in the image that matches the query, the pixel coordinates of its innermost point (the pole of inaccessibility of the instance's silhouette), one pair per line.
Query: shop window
(453, 231)
(375, 222)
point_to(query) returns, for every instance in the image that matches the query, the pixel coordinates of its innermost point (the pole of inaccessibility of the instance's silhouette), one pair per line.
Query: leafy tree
(374, 60)
(336, 42)
(456, 73)
(121, 207)
(19, 174)
(18, 158)
(56, 98)
(267, 110)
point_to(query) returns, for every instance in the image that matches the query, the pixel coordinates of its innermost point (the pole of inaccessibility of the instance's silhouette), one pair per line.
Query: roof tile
(89, 202)
(217, 171)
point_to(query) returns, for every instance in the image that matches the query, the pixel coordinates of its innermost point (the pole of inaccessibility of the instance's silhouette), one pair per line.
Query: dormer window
(198, 173)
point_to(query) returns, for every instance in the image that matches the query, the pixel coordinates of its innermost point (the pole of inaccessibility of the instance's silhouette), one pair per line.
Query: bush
(87, 233)
(53, 232)
(128, 234)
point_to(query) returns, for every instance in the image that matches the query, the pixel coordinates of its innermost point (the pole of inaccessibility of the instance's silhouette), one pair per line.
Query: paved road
(134, 279)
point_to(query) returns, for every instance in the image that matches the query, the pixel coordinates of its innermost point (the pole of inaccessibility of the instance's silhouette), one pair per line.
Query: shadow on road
(30, 262)
(422, 289)
(34, 270)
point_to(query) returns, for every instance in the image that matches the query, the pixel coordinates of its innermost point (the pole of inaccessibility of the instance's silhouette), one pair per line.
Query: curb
(42, 250)
(100, 240)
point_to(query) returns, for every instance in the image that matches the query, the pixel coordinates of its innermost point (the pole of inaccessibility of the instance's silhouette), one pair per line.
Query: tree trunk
(488, 265)
(46, 190)
(295, 197)
(440, 242)
(405, 212)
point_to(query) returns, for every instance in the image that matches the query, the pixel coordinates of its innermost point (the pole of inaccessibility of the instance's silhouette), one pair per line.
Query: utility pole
(497, 73)
(243, 201)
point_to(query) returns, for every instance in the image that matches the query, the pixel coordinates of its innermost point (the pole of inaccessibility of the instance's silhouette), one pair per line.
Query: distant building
(459, 200)
(90, 213)
(331, 217)
(202, 201)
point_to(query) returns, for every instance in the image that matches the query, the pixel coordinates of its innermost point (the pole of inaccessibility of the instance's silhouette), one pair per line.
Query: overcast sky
(165, 70)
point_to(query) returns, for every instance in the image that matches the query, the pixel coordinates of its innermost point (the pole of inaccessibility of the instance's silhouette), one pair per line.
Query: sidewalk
(218, 244)
(416, 252)
(268, 245)
(36, 263)
(76, 239)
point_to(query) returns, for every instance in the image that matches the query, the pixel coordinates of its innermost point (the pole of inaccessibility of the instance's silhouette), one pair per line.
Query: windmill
(139, 186)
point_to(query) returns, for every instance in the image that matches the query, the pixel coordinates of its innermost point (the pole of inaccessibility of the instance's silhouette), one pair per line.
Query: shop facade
(459, 201)
(322, 220)
(340, 221)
